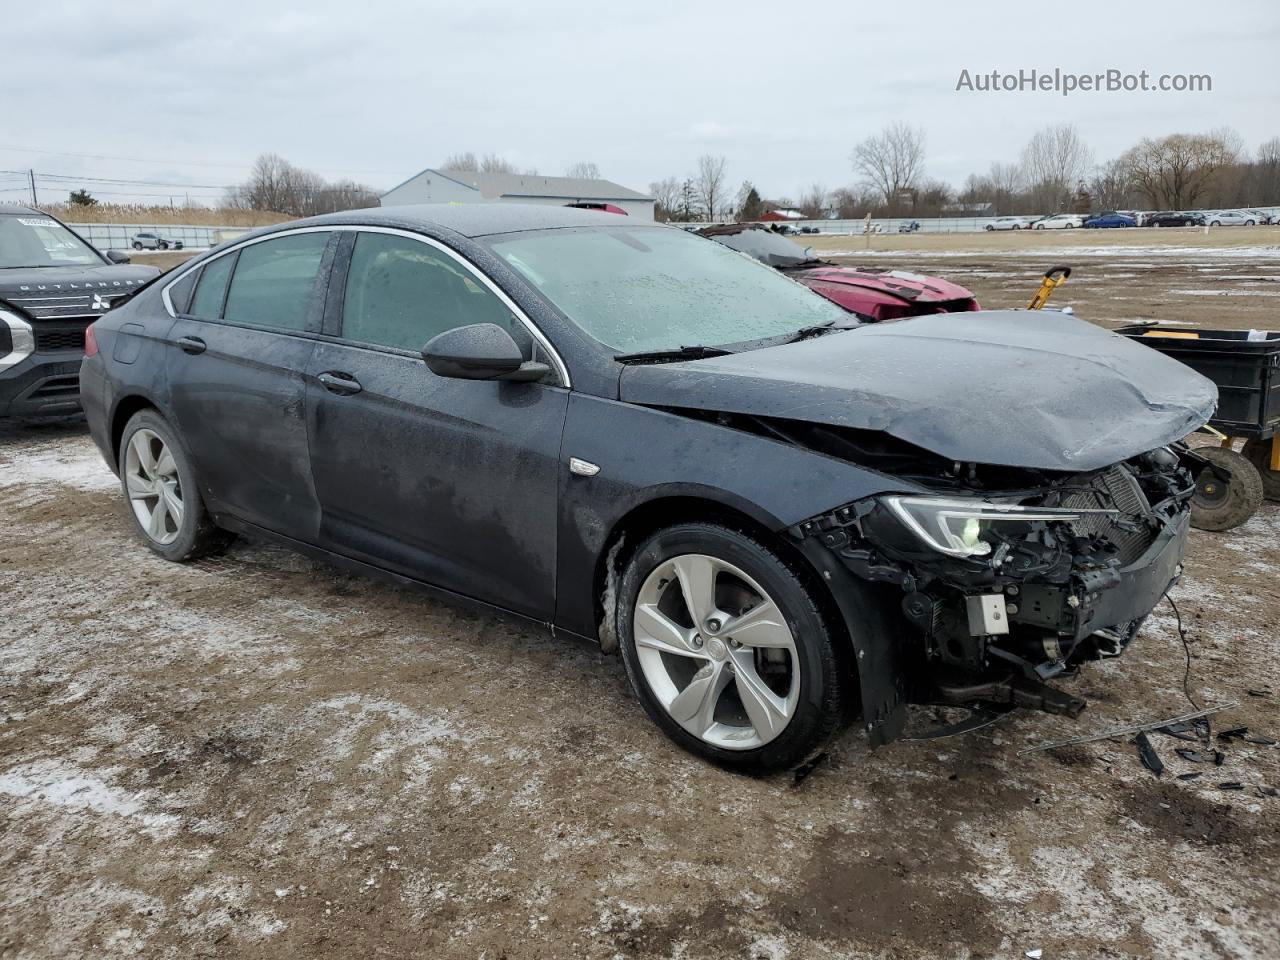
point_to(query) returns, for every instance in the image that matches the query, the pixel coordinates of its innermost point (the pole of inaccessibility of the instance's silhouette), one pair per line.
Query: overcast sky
(377, 91)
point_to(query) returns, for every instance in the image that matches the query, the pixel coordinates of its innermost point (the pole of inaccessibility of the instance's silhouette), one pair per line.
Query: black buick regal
(780, 517)
(52, 286)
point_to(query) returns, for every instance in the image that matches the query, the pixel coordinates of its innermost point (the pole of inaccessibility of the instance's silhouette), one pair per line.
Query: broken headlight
(964, 528)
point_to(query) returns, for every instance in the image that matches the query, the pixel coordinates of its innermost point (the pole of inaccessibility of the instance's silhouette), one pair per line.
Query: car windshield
(36, 241)
(653, 288)
(765, 245)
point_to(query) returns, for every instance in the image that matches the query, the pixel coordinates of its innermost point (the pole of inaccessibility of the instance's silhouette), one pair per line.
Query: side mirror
(117, 256)
(481, 351)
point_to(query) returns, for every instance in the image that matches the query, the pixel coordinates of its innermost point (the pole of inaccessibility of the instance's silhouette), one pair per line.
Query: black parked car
(780, 515)
(1173, 218)
(52, 286)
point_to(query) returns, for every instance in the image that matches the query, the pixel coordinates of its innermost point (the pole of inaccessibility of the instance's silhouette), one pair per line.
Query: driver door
(452, 482)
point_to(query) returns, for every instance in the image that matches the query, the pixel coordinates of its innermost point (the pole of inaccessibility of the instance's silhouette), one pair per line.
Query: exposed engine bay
(1004, 585)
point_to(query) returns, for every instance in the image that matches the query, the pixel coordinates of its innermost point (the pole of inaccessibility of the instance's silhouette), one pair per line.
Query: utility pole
(31, 174)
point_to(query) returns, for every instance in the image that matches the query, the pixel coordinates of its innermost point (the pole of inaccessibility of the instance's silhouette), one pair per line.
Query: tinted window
(273, 280)
(402, 292)
(212, 288)
(180, 292)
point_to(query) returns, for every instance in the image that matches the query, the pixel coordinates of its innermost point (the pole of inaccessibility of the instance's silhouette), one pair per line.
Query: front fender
(645, 454)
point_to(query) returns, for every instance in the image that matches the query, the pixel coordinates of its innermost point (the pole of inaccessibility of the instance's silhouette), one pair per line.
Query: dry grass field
(158, 215)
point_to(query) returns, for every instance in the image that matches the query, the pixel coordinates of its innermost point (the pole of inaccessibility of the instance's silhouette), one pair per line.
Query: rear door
(453, 482)
(237, 357)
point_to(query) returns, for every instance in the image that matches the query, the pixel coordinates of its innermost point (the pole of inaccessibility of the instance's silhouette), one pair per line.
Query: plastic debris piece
(1150, 759)
(1268, 792)
(1259, 739)
(1258, 693)
(1181, 731)
(1035, 954)
(1195, 756)
(1232, 732)
(1231, 785)
(1190, 776)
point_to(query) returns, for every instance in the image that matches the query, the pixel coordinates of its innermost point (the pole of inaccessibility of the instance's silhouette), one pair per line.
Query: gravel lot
(258, 756)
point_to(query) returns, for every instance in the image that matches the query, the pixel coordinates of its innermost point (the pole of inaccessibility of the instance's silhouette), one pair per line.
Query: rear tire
(752, 678)
(1258, 452)
(1217, 506)
(160, 486)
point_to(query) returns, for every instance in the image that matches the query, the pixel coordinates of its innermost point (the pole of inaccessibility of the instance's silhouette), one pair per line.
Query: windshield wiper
(696, 352)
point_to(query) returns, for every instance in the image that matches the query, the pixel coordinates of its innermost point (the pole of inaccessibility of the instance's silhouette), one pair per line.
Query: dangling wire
(1186, 649)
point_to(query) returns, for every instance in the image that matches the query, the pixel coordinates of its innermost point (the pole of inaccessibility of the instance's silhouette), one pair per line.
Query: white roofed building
(469, 186)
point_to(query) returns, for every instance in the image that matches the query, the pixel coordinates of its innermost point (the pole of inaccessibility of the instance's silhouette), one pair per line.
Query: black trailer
(1245, 365)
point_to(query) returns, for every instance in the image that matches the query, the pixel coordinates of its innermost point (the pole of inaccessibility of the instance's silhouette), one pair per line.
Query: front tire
(137, 245)
(159, 483)
(728, 650)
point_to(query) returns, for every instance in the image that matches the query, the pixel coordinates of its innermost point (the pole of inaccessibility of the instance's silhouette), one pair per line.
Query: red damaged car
(873, 293)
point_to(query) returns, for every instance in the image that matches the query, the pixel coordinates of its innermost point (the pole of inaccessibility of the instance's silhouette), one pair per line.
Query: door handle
(343, 384)
(192, 345)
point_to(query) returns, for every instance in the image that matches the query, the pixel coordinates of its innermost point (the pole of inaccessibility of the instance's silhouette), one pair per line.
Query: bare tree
(1111, 187)
(813, 202)
(1054, 161)
(710, 184)
(1266, 172)
(277, 185)
(892, 161)
(1175, 171)
(492, 163)
(666, 195)
(461, 161)
(583, 169)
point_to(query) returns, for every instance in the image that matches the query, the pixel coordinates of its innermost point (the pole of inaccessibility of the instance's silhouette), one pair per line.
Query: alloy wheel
(716, 652)
(155, 491)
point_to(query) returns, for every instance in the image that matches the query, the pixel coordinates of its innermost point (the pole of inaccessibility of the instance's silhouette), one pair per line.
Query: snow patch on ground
(78, 465)
(63, 785)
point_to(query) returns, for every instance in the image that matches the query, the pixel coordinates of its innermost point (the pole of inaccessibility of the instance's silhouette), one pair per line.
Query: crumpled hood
(1039, 389)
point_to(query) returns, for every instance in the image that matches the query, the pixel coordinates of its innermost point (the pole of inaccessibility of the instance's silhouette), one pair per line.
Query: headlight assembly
(961, 528)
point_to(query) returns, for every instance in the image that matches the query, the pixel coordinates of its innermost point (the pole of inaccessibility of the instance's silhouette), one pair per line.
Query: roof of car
(471, 219)
(17, 210)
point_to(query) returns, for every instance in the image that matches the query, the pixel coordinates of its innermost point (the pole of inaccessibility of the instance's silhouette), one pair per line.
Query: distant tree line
(1055, 172)
(276, 185)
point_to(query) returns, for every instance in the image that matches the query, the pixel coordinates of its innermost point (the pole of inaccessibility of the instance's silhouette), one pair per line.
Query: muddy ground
(258, 756)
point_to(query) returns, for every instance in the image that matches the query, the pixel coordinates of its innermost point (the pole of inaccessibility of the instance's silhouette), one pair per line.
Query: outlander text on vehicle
(781, 516)
(52, 286)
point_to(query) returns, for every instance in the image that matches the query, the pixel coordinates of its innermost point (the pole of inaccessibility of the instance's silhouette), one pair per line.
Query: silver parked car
(154, 241)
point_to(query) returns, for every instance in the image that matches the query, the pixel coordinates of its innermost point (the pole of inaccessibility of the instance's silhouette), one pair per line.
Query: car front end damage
(999, 588)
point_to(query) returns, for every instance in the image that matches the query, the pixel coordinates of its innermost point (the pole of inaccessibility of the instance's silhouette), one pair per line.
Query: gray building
(468, 186)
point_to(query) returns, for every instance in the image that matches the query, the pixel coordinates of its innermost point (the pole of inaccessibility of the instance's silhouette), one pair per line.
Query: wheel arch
(644, 519)
(126, 408)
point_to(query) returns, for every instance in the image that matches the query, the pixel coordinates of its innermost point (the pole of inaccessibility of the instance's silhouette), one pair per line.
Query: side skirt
(252, 531)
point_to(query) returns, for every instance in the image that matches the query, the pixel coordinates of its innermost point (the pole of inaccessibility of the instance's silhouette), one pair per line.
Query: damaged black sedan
(782, 518)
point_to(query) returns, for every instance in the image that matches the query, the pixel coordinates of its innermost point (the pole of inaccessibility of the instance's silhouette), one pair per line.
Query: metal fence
(119, 236)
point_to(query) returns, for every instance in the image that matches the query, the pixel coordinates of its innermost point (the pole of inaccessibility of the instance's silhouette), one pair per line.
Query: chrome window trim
(562, 371)
(23, 337)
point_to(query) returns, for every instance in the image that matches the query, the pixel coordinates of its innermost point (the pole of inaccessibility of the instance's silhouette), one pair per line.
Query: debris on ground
(1150, 759)
(1134, 728)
